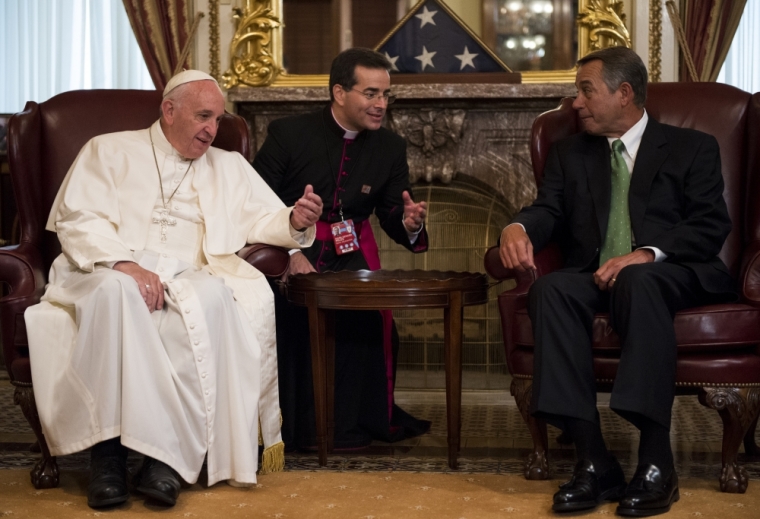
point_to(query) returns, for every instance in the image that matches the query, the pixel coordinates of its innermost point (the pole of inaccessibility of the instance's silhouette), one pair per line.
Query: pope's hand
(414, 213)
(307, 210)
(151, 288)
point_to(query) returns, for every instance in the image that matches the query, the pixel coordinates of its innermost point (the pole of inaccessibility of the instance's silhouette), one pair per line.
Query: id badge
(344, 236)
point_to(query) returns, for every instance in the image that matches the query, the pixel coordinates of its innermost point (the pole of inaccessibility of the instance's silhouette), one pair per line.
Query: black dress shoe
(586, 489)
(108, 474)
(650, 492)
(158, 481)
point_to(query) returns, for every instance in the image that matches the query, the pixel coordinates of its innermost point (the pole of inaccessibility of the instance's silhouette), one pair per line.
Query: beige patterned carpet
(348, 495)
(409, 479)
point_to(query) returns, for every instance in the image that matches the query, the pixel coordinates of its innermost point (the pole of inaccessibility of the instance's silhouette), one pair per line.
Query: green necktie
(618, 239)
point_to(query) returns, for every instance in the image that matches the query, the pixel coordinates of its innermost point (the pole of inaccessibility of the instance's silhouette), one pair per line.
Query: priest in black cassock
(357, 167)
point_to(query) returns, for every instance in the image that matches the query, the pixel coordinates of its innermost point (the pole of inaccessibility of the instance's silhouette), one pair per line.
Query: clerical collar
(162, 143)
(347, 134)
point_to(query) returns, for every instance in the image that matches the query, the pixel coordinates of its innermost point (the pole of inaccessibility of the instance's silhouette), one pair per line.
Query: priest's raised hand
(414, 213)
(306, 210)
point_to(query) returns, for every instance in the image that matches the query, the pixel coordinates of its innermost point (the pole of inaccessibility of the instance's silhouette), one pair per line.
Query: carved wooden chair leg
(738, 408)
(45, 472)
(537, 464)
(750, 445)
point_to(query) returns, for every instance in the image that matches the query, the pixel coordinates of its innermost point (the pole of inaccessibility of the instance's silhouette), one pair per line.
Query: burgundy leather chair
(43, 142)
(718, 345)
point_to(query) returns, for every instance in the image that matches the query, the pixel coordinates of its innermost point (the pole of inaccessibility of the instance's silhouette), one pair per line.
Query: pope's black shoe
(108, 474)
(158, 481)
(650, 492)
(586, 488)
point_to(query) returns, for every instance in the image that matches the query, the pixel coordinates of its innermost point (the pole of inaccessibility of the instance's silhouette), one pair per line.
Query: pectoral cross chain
(165, 221)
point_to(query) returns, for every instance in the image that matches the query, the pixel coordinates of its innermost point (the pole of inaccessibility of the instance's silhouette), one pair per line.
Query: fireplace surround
(468, 153)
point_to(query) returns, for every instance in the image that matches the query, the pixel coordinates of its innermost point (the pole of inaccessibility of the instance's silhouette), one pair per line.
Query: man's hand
(516, 250)
(298, 265)
(414, 213)
(151, 288)
(307, 210)
(605, 276)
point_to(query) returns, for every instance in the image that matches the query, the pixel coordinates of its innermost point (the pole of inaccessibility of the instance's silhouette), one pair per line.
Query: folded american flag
(432, 39)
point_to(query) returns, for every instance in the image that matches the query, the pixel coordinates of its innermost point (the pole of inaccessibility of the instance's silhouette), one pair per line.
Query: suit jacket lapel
(652, 153)
(598, 171)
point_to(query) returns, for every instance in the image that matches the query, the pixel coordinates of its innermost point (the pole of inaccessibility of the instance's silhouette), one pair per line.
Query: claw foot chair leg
(750, 445)
(537, 464)
(45, 472)
(738, 408)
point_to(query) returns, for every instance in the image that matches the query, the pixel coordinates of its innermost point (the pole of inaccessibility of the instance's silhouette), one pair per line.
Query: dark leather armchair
(43, 142)
(719, 345)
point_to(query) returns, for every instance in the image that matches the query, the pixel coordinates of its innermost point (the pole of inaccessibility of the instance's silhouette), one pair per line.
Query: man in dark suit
(637, 208)
(358, 168)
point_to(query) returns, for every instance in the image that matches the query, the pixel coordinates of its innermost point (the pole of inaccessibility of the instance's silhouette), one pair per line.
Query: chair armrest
(749, 278)
(21, 268)
(270, 260)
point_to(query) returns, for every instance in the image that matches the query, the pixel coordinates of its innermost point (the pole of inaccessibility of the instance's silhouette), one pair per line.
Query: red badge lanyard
(343, 232)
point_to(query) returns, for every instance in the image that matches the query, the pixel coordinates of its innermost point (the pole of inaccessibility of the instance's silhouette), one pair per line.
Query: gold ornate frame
(655, 40)
(257, 46)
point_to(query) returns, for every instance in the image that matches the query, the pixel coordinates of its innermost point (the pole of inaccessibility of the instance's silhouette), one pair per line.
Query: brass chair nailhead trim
(678, 384)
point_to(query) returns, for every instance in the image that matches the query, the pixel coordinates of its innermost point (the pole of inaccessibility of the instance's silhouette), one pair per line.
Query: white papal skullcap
(188, 76)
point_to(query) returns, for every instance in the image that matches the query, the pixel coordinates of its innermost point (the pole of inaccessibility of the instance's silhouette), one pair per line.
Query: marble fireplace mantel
(480, 130)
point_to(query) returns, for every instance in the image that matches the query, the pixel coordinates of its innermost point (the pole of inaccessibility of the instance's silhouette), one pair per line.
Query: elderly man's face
(600, 110)
(192, 120)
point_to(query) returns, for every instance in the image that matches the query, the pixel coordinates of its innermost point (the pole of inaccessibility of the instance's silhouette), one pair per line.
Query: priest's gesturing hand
(151, 288)
(414, 213)
(307, 210)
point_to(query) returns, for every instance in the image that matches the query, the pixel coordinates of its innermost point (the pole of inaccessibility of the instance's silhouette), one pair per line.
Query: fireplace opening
(465, 218)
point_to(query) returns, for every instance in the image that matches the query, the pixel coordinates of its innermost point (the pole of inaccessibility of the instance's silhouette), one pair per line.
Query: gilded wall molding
(213, 38)
(253, 61)
(601, 24)
(655, 40)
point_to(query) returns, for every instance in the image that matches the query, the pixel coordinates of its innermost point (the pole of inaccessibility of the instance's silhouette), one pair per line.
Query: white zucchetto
(188, 76)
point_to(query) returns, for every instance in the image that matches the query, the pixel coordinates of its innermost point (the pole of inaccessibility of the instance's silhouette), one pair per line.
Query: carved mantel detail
(433, 135)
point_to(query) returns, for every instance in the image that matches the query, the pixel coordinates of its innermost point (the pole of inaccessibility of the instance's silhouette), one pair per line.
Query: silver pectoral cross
(165, 221)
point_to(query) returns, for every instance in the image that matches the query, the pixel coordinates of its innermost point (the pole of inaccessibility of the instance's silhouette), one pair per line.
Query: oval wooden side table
(326, 292)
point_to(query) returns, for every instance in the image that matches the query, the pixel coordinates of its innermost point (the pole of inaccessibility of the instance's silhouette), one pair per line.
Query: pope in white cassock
(153, 335)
